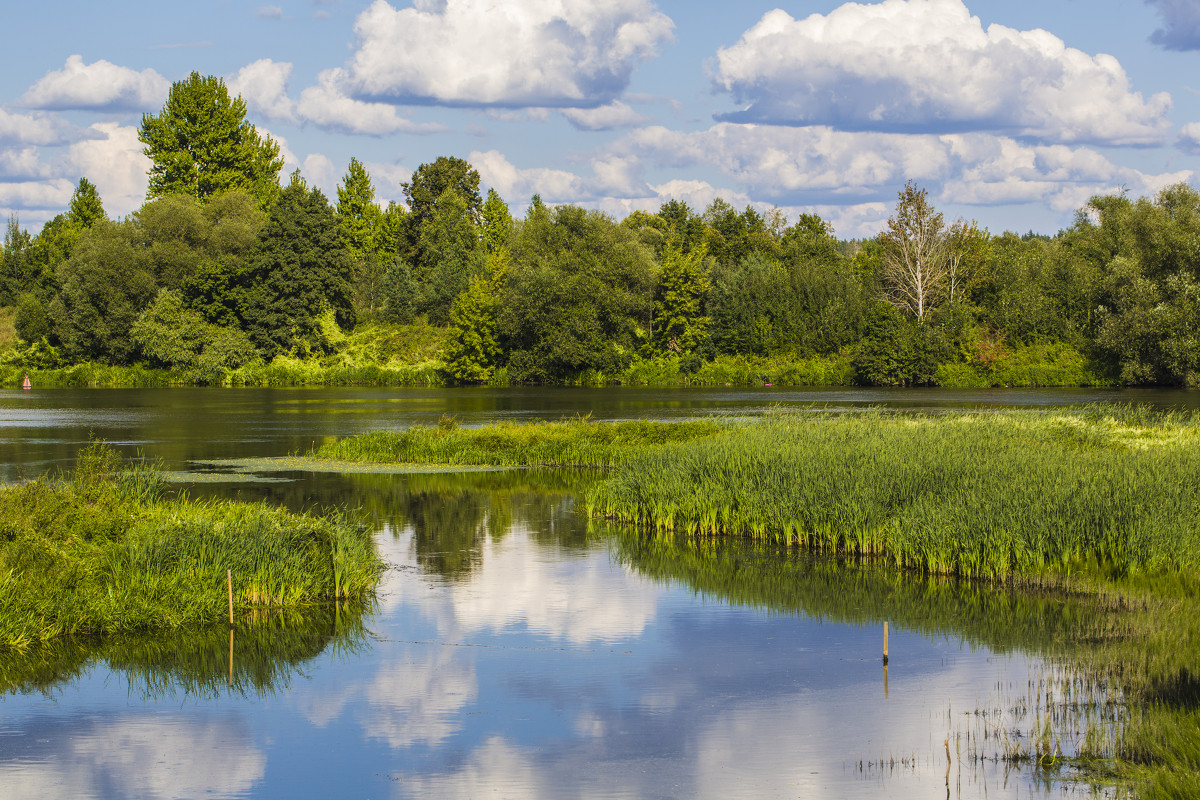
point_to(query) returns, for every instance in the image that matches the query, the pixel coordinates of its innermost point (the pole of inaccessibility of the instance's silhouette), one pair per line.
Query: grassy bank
(105, 553)
(579, 442)
(986, 495)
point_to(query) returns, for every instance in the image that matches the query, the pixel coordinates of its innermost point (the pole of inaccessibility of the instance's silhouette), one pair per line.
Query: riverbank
(105, 552)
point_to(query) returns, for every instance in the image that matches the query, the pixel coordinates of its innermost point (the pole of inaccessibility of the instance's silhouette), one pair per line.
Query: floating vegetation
(250, 466)
(180, 476)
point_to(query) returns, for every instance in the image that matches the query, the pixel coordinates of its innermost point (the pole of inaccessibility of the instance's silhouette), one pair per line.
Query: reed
(106, 553)
(978, 495)
(578, 442)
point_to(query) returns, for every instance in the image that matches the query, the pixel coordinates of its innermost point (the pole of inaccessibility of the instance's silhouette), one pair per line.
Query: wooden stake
(885, 643)
(229, 583)
(231, 656)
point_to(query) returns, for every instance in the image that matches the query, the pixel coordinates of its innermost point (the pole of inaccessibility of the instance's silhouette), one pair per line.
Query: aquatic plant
(578, 442)
(104, 553)
(987, 495)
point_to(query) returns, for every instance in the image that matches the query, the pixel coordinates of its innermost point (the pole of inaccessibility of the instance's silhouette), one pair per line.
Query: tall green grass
(579, 442)
(974, 495)
(105, 553)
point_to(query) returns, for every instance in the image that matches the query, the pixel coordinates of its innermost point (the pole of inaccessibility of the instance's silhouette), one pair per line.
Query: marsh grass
(982, 495)
(575, 443)
(104, 552)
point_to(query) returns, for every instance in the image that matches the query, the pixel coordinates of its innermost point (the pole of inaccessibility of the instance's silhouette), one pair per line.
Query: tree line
(226, 264)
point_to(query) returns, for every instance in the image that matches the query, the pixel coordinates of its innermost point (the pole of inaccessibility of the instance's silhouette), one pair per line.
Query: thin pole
(885, 640)
(231, 656)
(229, 583)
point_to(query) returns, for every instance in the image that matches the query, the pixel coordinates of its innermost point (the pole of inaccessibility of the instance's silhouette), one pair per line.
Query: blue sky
(1009, 113)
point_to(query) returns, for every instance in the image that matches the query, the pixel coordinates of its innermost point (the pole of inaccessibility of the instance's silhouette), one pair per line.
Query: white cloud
(22, 165)
(1181, 30)
(40, 129)
(114, 161)
(100, 85)
(326, 106)
(518, 185)
(320, 172)
(483, 53)
(269, 12)
(820, 166)
(604, 118)
(926, 66)
(263, 84)
(1189, 138)
(19, 196)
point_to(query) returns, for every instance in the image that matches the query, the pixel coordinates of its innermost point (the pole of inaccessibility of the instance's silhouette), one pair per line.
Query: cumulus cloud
(1189, 138)
(263, 84)
(326, 106)
(482, 53)
(22, 165)
(38, 129)
(269, 12)
(321, 173)
(604, 118)
(926, 66)
(821, 166)
(101, 85)
(114, 161)
(1181, 24)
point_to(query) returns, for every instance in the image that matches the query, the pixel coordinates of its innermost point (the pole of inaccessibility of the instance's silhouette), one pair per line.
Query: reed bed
(575, 443)
(979, 495)
(105, 553)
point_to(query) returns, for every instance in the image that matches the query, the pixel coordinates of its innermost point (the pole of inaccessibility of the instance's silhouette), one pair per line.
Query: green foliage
(14, 261)
(577, 296)
(31, 322)
(898, 351)
(473, 351)
(105, 284)
(449, 253)
(178, 338)
(201, 145)
(431, 181)
(299, 268)
(683, 285)
(86, 207)
(359, 218)
(497, 223)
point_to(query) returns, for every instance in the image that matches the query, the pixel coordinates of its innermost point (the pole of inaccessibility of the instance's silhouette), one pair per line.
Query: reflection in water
(261, 657)
(138, 755)
(512, 652)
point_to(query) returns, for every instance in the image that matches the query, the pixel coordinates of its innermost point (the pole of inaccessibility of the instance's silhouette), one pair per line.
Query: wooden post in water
(885, 643)
(229, 583)
(231, 656)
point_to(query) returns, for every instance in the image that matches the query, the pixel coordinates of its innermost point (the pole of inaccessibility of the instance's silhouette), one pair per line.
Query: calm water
(513, 652)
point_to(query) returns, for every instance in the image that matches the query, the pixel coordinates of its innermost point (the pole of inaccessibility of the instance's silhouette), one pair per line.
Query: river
(513, 651)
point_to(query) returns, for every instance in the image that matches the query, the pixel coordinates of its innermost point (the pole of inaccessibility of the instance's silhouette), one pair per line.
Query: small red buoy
(27, 384)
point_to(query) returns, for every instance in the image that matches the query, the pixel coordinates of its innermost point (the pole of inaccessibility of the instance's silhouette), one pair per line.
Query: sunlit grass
(105, 553)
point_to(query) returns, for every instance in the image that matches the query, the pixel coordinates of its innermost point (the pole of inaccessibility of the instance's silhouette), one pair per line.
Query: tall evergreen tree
(14, 262)
(299, 270)
(86, 206)
(497, 222)
(358, 216)
(200, 144)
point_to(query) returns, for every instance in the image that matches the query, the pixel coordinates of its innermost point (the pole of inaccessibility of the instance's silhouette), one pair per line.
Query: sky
(1010, 113)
